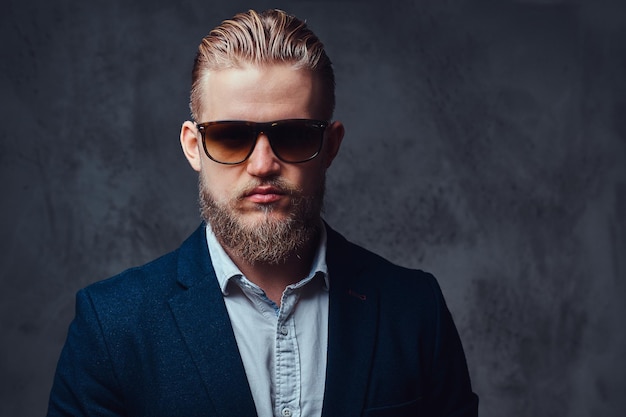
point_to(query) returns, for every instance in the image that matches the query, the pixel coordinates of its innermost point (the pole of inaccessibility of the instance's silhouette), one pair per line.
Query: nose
(263, 162)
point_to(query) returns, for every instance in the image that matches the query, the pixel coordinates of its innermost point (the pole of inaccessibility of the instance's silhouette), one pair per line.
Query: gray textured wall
(486, 142)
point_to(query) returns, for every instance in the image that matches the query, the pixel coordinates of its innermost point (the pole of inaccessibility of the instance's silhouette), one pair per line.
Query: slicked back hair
(259, 39)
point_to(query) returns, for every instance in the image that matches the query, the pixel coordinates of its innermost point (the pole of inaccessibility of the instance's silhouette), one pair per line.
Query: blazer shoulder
(366, 266)
(150, 274)
(156, 280)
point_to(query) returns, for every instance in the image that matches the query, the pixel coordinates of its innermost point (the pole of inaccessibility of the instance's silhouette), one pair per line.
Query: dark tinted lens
(296, 141)
(229, 142)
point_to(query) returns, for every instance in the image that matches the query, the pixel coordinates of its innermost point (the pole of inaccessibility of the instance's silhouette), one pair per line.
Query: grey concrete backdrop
(486, 142)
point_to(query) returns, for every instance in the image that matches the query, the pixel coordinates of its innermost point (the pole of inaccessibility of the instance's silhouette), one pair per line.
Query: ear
(334, 136)
(189, 140)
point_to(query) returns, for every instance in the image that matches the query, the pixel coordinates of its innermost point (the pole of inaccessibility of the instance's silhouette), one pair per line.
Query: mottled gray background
(486, 142)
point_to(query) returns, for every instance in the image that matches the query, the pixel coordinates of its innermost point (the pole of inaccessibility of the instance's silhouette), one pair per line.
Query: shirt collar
(225, 268)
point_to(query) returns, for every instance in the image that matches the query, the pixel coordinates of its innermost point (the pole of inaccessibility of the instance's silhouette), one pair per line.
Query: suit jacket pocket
(407, 409)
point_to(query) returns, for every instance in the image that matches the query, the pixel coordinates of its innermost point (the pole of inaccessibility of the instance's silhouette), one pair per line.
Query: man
(264, 310)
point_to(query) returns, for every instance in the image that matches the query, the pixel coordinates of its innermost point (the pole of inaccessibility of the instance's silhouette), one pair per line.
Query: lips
(264, 194)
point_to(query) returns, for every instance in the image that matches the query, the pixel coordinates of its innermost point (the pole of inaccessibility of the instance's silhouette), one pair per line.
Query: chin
(263, 213)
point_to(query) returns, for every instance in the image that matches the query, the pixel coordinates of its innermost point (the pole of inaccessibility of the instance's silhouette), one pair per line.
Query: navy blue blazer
(157, 341)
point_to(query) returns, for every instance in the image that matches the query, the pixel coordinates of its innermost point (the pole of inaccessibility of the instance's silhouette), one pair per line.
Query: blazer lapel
(353, 319)
(203, 321)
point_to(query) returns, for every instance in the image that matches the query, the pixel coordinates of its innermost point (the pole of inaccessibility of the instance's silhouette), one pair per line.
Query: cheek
(220, 185)
(311, 179)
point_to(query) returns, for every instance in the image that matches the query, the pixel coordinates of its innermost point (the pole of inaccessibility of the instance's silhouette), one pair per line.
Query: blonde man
(264, 310)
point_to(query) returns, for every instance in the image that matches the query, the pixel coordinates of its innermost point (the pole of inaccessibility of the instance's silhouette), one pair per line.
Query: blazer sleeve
(450, 389)
(85, 383)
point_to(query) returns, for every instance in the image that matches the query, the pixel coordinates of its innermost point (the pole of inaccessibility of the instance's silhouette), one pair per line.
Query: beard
(270, 240)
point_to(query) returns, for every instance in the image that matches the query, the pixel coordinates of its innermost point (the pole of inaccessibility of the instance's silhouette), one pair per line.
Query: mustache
(280, 184)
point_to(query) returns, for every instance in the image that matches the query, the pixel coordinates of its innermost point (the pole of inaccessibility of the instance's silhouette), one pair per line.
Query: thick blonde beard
(268, 241)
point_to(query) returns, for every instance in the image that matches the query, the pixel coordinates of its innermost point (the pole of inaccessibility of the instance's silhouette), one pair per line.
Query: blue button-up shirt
(283, 348)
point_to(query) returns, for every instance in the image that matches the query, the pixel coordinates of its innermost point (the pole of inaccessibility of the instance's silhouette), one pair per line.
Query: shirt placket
(287, 359)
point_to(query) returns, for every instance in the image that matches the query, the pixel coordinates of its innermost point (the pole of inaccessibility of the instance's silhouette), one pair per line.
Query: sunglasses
(232, 141)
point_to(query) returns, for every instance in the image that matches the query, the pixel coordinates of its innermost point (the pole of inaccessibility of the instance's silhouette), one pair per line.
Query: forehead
(261, 93)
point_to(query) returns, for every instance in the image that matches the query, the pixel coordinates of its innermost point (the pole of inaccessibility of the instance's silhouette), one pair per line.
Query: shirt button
(284, 331)
(286, 412)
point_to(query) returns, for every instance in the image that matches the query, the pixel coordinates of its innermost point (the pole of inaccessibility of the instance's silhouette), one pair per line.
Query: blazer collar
(202, 319)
